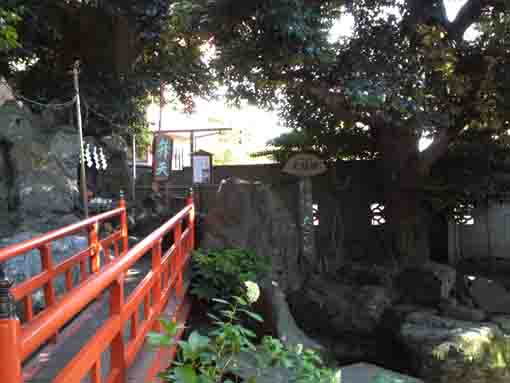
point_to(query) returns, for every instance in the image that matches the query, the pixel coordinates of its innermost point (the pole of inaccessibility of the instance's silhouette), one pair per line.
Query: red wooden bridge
(103, 267)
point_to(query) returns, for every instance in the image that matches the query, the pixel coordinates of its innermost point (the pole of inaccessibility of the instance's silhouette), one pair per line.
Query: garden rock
(325, 305)
(446, 350)
(490, 296)
(285, 326)
(254, 216)
(427, 284)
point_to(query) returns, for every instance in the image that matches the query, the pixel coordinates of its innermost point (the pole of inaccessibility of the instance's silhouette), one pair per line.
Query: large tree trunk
(404, 175)
(407, 223)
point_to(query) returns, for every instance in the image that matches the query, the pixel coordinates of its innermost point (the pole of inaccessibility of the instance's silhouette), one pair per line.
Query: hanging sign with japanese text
(305, 165)
(162, 157)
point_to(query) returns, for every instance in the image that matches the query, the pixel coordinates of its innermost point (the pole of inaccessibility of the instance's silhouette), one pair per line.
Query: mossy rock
(446, 350)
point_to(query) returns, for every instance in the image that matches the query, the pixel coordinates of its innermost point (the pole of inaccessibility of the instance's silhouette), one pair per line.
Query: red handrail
(166, 273)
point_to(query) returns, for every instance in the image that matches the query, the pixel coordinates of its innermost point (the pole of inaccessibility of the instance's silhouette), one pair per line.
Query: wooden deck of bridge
(45, 365)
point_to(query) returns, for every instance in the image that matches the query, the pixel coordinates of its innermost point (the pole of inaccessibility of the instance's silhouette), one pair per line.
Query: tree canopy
(405, 73)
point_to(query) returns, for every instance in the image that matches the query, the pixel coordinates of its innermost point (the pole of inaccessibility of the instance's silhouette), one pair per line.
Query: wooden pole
(83, 177)
(134, 168)
(308, 250)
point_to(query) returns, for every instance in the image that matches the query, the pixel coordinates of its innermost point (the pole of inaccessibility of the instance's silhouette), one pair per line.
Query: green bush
(222, 273)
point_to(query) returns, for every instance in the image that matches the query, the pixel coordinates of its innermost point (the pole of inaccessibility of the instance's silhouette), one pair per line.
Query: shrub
(222, 273)
(212, 358)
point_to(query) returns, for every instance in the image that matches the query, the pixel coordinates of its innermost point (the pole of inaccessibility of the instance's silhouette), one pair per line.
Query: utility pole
(83, 177)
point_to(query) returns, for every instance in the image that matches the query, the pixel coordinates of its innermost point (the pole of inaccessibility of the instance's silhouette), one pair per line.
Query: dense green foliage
(222, 273)
(214, 358)
(8, 32)
(404, 73)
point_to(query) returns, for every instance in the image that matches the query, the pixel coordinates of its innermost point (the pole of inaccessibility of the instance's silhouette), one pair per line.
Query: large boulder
(41, 185)
(254, 216)
(445, 350)
(490, 296)
(277, 314)
(325, 305)
(39, 167)
(428, 284)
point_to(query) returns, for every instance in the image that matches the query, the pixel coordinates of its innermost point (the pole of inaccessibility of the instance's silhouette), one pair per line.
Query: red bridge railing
(18, 341)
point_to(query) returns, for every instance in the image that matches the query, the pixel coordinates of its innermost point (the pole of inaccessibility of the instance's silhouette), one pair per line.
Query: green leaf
(186, 374)
(171, 327)
(221, 301)
(198, 342)
(159, 340)
(252, 315)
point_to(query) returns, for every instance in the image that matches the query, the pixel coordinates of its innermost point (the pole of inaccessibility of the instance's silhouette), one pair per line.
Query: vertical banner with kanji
(162, 157)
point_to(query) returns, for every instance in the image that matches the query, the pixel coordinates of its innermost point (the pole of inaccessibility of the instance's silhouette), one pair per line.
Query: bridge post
(124, 224)
(10, 331)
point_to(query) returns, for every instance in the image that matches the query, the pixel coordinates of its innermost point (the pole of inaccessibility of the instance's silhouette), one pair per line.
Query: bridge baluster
(95, 259)
(117, 351)
(124, 224)
(177, 258)
(49, 288)
(156, 269)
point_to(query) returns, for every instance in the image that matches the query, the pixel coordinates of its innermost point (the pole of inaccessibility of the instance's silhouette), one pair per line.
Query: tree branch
(439, 145)
(468, 14)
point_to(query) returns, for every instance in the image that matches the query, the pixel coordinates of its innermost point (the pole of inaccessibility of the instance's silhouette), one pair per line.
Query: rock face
(446, 351)
(23, 267)
(38, 168)
(253, 216)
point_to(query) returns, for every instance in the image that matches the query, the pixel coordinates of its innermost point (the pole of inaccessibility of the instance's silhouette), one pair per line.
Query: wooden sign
(162, 157)
(305, 165)
(202, 168)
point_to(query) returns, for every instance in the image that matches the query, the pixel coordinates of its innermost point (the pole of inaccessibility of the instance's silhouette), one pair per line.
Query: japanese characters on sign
(305, 165)
(163, 153)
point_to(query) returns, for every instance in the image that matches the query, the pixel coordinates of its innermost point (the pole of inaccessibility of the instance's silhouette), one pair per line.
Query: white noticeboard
(201, 169)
